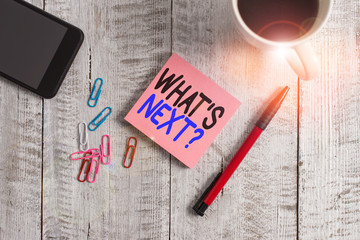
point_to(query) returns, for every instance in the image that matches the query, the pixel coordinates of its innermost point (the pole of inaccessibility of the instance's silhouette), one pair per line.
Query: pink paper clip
(103, 154)
(80, 155)
(95, 152)
(108, 155)
(91, 168)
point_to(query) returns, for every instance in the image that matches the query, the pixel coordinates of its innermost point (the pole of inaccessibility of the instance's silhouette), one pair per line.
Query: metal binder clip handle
(133, 147)
(97, 96)
(97, 124)
(84, 137)
(108, 155)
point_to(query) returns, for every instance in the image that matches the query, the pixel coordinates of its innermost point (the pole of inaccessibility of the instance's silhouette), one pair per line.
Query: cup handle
(305, 63)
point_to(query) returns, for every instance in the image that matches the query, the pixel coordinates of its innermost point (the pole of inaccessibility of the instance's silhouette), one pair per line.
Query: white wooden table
(300, 181)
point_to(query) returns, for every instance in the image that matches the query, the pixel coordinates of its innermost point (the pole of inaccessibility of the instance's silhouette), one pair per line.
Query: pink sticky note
(182, 110)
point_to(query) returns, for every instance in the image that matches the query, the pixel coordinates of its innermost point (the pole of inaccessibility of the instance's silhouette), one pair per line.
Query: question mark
(201, 134)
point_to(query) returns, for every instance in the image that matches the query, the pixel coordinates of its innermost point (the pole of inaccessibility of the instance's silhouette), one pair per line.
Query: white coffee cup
(303, 60)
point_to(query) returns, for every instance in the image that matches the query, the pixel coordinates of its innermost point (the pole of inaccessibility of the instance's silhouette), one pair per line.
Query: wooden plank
(20, 164)
(126, 43)
(132, 43)
(67, 207)
(329, 203)
(260, 199)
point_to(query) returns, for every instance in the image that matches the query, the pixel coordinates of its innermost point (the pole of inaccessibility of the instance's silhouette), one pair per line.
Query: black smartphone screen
(28, 42)
(36, 48)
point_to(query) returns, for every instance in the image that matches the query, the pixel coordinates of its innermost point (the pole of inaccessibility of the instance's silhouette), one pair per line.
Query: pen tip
(286, 89)
(283, 94)
(272, 108)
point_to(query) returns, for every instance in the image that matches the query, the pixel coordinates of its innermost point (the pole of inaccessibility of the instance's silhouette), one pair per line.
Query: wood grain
(329, 203)
(134, 47)
(126, 43)
(68, 205)
(20, 164)
(260, 199)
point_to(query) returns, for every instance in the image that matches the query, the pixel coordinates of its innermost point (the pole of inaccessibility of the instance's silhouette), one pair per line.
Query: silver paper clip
(97, 124)
(95, 98)
(84, 137)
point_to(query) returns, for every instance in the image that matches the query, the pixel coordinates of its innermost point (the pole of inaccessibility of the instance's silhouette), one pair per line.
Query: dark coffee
(279, 20)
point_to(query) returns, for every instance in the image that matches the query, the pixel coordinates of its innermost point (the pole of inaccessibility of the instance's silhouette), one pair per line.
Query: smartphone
(36, 48)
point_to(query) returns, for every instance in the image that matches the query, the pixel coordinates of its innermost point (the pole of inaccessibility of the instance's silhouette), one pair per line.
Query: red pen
(221, 179)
